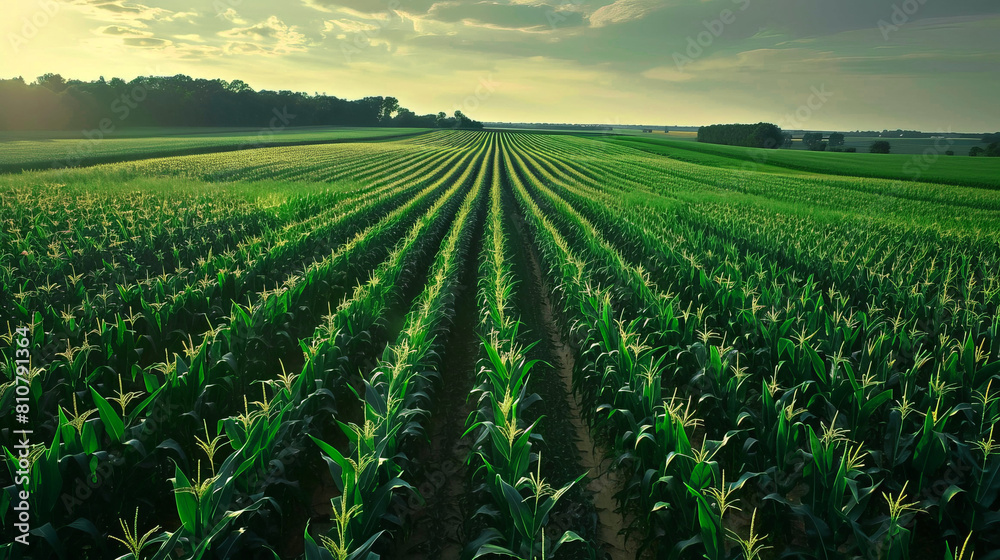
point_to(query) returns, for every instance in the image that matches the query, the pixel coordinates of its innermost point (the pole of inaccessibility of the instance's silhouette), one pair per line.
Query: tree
(880, 147)
(53, 82)
(812, 140)
(760, 135)
(55, 103)
(993, 150)
(976, 151)
(239, 86)
(949, 152)
(836, 139)
(390, 105)
(462, 121)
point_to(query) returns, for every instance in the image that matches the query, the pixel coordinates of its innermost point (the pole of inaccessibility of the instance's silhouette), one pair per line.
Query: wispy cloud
(271, 36)
(622, 11)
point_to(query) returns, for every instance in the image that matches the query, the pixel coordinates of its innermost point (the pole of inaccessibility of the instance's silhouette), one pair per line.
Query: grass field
(498, 344)
(910, 146)
(46, 150)
(913, 146)
(955, 170)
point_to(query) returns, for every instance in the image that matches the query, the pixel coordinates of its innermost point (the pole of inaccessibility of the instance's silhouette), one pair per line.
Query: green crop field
(45, 150)
(464, 344)
(934, 166)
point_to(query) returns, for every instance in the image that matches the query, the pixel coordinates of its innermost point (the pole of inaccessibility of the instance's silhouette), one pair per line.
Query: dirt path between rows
(602, 482)
(441, 526)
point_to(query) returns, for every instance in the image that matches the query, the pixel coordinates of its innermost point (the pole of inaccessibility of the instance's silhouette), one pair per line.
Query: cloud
(271, 36)
(622, 11)
(244, 48)
(120, 31)
(348, 26)
(231, 15)
(147, 42)
(129, 13)
(370, 8)
(505, 16)
(187, 16)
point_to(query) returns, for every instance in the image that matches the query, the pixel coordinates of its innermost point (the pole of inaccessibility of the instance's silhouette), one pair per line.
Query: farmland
(922, 159)
(468, 344)
(45, 150)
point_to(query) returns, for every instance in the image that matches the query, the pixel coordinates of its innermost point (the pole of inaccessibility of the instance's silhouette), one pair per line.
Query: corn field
(393, 350)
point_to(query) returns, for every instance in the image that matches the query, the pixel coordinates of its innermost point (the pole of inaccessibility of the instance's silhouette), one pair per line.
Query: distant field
(954, 170)
(45, 149)
(659, 133)
(960, 146)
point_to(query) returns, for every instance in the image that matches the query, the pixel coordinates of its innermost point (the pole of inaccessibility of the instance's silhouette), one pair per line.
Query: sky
(802, 64)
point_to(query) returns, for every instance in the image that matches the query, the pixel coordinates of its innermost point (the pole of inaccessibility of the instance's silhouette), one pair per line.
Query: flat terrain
(46, 150)
(464, 343)
(935, 167)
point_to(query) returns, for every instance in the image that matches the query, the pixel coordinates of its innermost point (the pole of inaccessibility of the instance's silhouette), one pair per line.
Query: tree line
(54, 103)
(993, 150)
(760, 135)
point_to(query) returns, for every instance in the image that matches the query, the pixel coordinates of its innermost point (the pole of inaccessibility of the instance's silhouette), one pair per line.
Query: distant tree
(836, 139)
(239, 86)
(403, 115)
(760, 135)
(462, 121)
(53, 82)
(812, 140)
(55, 103)
(442, 120)
(880, 147)
(949, 152)
(976, 151)
(407, 118)
(993, 150)
(390, 105)
(851, 150)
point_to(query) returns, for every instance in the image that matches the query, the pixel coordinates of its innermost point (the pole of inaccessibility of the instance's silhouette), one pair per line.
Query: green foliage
(760, 135)
(776, 364)
(880, 147)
